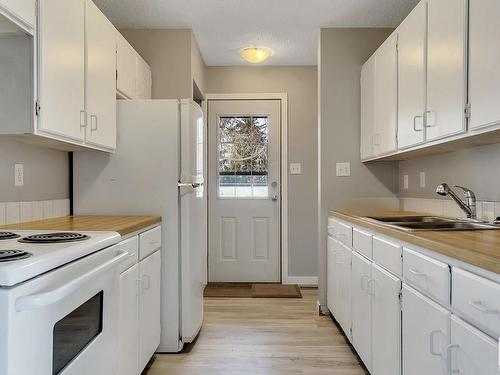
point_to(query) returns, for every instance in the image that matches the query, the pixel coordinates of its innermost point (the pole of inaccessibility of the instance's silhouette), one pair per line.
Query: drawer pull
(417, 273)
(432, 349)
(449, 365)
(478, 305)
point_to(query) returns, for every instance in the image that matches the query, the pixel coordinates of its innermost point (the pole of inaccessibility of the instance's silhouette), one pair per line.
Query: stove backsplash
(45, 191)
(18, 212)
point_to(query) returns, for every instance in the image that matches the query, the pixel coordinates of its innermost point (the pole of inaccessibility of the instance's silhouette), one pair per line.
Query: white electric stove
(59, 299)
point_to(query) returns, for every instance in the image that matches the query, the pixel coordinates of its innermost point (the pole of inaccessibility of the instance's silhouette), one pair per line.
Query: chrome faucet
(469, 206)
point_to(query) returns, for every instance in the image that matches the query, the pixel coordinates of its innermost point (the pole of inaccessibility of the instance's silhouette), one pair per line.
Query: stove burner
(10, 255)
(54, 238)
(8, 235)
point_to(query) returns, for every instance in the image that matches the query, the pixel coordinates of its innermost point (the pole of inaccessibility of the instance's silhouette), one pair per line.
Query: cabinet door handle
(426, 119)
(92, 128)
(83, 119)
(415, 123)
(363, 278)
(478, 305)
(449, 358)
(146, 282)
(371, 287)
(432, 349)
(413, 271)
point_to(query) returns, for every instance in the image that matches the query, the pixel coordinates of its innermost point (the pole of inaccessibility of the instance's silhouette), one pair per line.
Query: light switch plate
(422, 179)
(343, 169)
(405, 181)
(295, 168)
(18, 174)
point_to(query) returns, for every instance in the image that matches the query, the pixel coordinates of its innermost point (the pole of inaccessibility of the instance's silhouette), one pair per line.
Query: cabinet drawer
(340, 231)
(477, 300)
(427, 275)
(149, 242)
(362, 242)
(388, 255)
(131, 246)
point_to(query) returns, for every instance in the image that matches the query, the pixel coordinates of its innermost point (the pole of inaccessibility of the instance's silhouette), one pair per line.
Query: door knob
(274, 197)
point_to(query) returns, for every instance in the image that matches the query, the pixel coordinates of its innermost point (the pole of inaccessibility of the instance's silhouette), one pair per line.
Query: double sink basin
(431, 223)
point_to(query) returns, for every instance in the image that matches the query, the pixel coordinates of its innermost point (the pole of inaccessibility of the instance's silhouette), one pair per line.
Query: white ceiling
(289, 27)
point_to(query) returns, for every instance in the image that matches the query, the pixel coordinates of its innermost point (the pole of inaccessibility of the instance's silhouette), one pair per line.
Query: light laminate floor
(263, 336)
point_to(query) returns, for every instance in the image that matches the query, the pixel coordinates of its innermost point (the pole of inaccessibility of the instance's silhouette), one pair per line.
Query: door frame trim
(283, 98)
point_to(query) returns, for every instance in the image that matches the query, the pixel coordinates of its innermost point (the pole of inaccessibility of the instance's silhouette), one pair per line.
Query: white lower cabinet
(129, 323)
(339, 283)
(331, 288)
(425, 335)
(386, 323)
(471, 352)
(361, 307)
(149, 307)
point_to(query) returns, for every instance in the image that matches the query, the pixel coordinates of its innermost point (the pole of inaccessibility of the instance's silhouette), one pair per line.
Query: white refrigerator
(158, 169)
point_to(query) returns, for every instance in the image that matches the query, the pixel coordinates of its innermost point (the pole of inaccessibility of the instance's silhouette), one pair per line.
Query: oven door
(66, 321)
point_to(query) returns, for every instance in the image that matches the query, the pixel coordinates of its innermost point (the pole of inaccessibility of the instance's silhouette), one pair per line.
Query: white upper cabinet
(484, 63)
(446, 68)
(412, 77)
(133, 73)
(61, 70)
(23, 10)
(126, 68)
(367, 109)
(143, 79)
(385, 97)
(100, 80)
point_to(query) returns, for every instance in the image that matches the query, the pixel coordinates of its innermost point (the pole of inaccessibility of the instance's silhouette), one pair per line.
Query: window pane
(243, 157)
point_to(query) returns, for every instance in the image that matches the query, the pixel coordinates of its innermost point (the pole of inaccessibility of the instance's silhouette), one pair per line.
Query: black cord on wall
(70, 159)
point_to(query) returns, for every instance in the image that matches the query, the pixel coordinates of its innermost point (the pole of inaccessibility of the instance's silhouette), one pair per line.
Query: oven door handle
(36, 301)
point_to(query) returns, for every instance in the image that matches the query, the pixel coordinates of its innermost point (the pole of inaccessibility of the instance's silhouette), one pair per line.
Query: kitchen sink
(432, 223)
(409, 219)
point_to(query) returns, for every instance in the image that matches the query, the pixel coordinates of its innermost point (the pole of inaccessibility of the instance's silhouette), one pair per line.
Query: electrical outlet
(18, 174)
(343, 169)
(295, 168)
(405, 181)
(422, 179)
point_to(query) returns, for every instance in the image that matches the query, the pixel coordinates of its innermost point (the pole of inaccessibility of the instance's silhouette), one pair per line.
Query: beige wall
(342, 53)
(477, 168)
(174, 57)
(46, 172)
(300, 83)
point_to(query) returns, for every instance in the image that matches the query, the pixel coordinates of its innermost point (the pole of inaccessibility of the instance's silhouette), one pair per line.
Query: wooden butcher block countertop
(480, 248)
(121, 224)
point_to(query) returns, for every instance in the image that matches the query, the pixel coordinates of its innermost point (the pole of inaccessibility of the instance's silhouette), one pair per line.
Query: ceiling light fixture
(255, 55)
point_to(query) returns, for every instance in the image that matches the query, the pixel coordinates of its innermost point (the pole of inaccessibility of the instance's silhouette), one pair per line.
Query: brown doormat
(244, 290)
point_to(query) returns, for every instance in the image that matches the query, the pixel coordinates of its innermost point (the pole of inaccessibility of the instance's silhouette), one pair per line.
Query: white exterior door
(425, 335)
(361, 308)
(244, 190)
(386, 323)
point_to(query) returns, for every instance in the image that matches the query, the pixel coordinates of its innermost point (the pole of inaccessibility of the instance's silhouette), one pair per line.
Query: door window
(75, 331)
(243, 157)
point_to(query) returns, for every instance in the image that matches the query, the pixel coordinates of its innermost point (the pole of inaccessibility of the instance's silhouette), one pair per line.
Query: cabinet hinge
(400, 297)
(37, 108)
(116, 75)
(467, 110)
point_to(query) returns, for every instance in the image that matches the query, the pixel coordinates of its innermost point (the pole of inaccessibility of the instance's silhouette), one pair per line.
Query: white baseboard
(302, 280)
